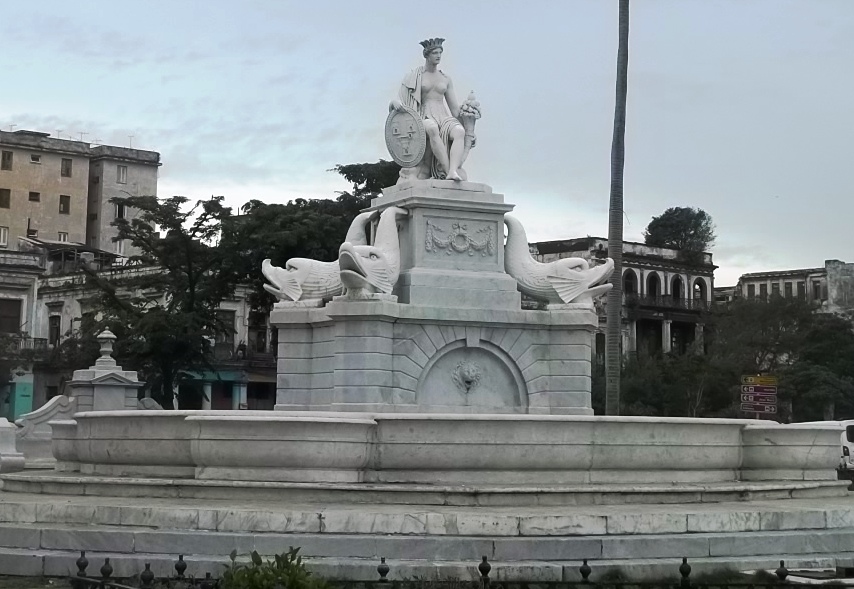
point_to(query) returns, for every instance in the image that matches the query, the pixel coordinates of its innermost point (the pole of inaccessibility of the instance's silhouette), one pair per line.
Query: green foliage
(163, 308)
(301, 228)
(684, 228)
(810, 352)
(285, 571)
(370, 178)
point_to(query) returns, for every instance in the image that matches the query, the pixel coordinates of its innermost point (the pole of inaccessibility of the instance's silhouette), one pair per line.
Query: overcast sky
(739, 107)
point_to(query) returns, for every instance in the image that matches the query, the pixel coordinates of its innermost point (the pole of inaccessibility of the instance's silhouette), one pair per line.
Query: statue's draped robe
(437, 110)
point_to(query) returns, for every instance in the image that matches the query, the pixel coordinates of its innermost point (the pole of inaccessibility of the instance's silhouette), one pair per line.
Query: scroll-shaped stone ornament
(568, 280)
(372, 269)
(303, 279)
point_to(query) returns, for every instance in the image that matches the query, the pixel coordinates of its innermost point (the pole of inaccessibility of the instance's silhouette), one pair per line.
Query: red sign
(763, 399)
(761, 389)
(759, 408)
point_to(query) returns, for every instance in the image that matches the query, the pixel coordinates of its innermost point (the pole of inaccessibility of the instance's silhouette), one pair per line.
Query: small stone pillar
(105, 386)
(10, 459)
(207, 396)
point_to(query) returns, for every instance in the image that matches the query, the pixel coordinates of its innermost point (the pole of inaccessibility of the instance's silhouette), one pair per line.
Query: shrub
(285, 571)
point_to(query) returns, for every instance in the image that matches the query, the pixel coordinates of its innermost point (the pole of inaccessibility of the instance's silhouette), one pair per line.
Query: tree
(164, 313)
(613, 354)
(686, 229)
(301, 228)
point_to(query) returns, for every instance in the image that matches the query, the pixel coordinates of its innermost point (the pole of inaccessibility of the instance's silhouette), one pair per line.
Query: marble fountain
(424, 417)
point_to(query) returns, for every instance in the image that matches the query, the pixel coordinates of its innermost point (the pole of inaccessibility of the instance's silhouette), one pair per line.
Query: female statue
(429, 92)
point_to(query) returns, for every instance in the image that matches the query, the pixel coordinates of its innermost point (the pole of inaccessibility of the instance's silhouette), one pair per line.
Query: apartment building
(665, 297)
(58, 190)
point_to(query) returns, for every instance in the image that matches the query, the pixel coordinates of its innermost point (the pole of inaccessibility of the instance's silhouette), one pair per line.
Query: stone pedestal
(452, 245)
(454, 340)
(105, 386)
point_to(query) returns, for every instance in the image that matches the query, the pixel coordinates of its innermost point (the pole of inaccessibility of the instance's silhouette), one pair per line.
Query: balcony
(665, 302)
(243, 356)
(24, 348)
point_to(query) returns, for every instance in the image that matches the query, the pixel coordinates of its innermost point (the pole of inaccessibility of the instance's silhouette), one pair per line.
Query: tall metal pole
(614, 307)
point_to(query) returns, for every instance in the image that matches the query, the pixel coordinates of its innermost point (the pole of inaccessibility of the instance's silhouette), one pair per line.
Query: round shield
(405, 137)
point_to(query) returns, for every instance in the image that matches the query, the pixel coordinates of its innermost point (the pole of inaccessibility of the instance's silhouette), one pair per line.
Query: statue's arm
(451, 98)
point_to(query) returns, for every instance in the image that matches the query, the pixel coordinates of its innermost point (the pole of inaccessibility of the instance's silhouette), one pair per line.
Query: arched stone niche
(482, 377)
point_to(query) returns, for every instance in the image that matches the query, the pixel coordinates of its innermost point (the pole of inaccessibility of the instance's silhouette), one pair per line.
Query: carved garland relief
(458, 239)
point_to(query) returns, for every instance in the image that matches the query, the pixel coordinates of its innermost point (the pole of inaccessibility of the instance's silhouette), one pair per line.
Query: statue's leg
(457, 149)
(439, 151)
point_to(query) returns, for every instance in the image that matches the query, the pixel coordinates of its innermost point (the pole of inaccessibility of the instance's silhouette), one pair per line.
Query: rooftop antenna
(58, 131)
(130, 141)
(12, 127)
(82, 133)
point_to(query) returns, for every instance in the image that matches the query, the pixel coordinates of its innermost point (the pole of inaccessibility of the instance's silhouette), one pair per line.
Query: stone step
(422, 494)
(61, 563)
(492, 522)
(125, 540)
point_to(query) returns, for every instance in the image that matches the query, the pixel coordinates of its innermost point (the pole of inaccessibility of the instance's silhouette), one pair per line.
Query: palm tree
(613, 356)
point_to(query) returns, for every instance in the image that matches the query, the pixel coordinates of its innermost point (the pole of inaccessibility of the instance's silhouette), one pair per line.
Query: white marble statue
(372, 269)
(568, 280)
(303, 279)
(428, 94)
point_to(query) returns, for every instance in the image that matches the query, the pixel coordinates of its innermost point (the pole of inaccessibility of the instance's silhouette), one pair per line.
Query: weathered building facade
(665, 295)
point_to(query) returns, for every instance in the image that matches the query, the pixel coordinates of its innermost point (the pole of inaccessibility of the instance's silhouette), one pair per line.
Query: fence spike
(383, 570)
(146, 576)
(106, 569)
(782, 572)
(484, 567)
(585, 571)
(180, 566)
(685, 571)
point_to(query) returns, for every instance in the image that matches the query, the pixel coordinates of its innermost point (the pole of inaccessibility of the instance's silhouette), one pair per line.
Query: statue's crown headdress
(431, 44)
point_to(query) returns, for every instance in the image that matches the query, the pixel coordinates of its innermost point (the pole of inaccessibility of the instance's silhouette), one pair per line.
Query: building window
(120, 210)
(10, 315)
(751, 291)
(802, 290)
(788, 290)
(6, 161)
(122, 174)
(62, 236)
(64, 204)
(775, 289)
(35, 196)
(33, 233)
(816, 290)
(35, 158)
(54, 323)
(5, 198)
(4, 236)
(120, 247)
(763, 291)
(66, 168)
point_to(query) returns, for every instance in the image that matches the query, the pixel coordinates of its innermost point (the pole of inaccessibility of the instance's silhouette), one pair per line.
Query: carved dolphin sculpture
(302, 278)
(562, 281)
(373, 268)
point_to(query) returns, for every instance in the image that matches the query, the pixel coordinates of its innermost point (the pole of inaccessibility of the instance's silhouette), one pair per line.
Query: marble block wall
(383, 356)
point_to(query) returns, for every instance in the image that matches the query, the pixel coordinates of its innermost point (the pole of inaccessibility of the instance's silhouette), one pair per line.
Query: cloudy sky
(739, 107)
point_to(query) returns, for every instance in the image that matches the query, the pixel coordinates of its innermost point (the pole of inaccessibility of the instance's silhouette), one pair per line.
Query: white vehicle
(846, 463)
(846, 451)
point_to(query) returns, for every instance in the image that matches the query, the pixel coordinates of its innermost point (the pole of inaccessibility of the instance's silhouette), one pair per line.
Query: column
(632, 345)
(699, 338)
(206, 396)
(238, 396)
(666, 341)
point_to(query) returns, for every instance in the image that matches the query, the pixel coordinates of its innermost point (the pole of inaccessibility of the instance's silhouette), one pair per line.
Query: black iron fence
(484, 579)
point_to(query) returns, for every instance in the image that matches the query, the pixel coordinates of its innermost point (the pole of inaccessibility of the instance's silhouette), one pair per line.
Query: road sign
(762, 399)
(759, 408)
(760, 380)
(761, 389)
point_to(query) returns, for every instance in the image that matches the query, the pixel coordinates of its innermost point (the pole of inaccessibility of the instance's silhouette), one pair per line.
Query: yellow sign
(755, 379)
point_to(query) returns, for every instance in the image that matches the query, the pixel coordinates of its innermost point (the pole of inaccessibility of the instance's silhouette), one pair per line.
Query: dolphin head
(364, 267)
